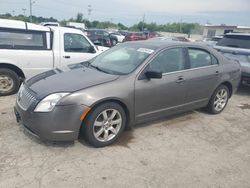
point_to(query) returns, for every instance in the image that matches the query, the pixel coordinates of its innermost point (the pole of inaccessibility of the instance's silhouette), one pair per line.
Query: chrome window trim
(191, 69)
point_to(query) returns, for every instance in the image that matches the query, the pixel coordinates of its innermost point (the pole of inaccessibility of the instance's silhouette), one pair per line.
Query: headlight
(49, 102)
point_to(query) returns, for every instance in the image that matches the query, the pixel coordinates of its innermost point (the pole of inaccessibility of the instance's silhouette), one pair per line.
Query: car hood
(55, 81)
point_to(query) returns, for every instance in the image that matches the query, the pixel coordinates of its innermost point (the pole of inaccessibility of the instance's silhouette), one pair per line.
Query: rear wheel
(9, 82)
(104, 124)
(218, 100)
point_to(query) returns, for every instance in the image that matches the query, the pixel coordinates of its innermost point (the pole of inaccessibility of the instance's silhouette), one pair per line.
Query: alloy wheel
(220, 100)
(107, 125)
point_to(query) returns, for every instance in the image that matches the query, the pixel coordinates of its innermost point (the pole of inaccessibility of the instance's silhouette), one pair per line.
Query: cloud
(188, 6)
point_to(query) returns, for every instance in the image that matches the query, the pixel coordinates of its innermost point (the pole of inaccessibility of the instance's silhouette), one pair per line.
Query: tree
(79, 17)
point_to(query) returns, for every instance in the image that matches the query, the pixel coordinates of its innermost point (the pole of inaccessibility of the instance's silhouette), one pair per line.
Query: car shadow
(244, 90)
(62, 144)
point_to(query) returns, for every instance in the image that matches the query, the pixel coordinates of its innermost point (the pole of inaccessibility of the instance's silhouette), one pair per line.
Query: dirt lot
(192, 150)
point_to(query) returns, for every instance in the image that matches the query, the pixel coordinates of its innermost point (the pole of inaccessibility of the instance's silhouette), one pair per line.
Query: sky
(129, 12)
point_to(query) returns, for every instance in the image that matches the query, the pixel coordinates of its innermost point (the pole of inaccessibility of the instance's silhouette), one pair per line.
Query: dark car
(237, 46)
(131, 83)
(134, 36)
(102, 37)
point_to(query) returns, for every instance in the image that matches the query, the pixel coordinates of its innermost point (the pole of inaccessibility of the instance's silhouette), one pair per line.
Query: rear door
(203, 75)
(76, 48)
(157, 97)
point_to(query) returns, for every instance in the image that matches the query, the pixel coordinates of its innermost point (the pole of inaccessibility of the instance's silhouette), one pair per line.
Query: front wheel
(9, 82)
(114, 42)
(104, 124)
(218, 100)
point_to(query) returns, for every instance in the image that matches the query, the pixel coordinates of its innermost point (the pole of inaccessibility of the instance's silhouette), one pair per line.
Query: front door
(76, 49)
(158, 97)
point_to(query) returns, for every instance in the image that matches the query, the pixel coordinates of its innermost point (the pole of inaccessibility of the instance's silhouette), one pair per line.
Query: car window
(170, 60)
(199, 58)
(23, 40)
(75, 43)
(235, 41)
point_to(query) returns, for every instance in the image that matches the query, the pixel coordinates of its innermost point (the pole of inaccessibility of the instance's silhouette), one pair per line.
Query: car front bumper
(61, 124)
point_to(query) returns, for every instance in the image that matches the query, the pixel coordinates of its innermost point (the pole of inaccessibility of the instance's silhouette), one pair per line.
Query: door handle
(66, 57)
(217, 73)
(180, 80)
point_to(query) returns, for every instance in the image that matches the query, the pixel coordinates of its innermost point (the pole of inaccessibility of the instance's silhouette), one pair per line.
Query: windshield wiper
(99, 69)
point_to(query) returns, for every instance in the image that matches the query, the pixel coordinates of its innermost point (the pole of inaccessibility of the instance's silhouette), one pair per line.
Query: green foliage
(187, 28)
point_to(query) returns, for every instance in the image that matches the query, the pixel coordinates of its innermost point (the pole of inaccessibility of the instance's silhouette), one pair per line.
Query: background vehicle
(163, 39)
(27, 49)
(50, 24)
(213, 41)
(102, 37)
(237, 46)
(119, 36)
(151, 34)
(134, 36)
(130, 83)
(76, 25)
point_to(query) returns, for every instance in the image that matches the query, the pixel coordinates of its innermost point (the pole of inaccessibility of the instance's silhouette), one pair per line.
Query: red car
(133, 36)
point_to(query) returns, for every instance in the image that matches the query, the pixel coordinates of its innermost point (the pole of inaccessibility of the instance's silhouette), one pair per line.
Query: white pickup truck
(27, 49)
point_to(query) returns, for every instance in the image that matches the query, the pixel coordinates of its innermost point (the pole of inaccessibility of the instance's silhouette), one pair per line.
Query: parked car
(237, 46)
(182, 39)
(213, 41)
(119, 36)
(133, 36)
(163, 39)
(50, 24)
(151, 34)
(130, 83)
(102, 37)
(27, 49)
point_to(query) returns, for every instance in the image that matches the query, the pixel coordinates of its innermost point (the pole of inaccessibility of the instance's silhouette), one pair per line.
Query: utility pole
(180, 25)
(13, 13)
(143, 20)
(31, 4)
(89, 11)
(24, 10)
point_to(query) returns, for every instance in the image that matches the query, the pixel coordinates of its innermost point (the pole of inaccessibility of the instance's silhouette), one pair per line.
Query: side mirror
(153, 74)
(92, 49)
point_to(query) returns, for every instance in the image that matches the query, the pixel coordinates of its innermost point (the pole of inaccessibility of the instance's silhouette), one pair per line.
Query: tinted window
(200, 58)
(22, 40)
(236, 41)
(168, 61)
(75, 43)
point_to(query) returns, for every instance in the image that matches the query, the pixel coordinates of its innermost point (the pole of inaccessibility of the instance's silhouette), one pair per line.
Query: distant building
(215, 30)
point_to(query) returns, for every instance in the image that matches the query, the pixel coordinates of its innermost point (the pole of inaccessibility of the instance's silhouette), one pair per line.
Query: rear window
(23, 40)
(235, 41)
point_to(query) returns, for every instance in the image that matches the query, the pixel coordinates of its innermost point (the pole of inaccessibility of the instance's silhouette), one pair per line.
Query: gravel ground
(191, 150)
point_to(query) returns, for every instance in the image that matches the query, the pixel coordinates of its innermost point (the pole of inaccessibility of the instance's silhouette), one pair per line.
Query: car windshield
(120, 60)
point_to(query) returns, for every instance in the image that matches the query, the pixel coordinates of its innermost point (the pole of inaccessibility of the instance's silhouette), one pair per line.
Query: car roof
(238, 34)
(16, 24)
(161, 44)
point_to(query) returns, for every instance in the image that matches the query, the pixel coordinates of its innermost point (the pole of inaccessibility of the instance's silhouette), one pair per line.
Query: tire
(114, 42)
(100, 131)
(217, 102)
(9, 82)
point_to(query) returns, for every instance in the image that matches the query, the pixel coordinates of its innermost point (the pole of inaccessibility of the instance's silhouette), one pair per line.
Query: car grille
(24, 98)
